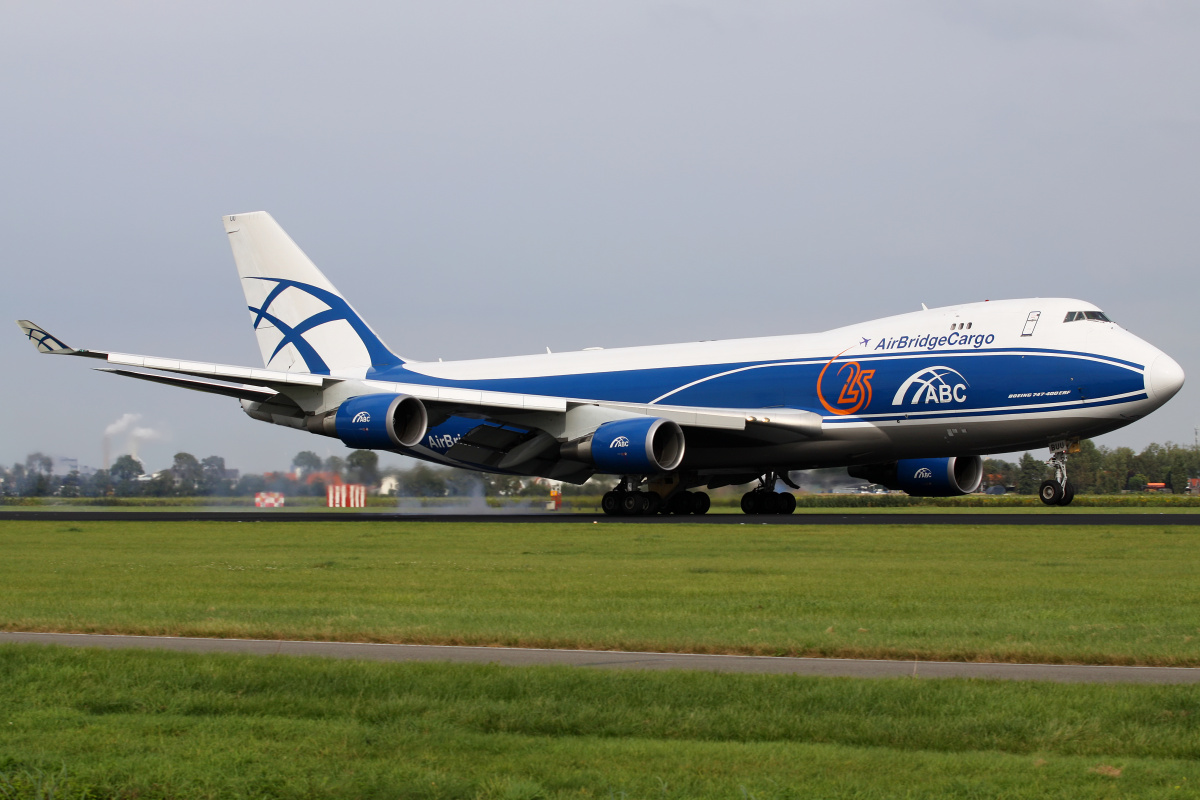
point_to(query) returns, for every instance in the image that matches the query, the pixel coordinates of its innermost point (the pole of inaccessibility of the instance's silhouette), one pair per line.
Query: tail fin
(302, 322)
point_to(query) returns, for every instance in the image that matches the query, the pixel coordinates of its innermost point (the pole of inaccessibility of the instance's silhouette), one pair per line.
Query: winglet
(42, 340)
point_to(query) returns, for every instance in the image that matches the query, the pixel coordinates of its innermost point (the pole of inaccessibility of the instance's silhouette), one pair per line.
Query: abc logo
(620, 441)
(361, 416)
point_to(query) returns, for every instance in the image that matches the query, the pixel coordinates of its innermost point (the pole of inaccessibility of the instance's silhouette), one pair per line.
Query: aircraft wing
(264, 384)
(48, 343)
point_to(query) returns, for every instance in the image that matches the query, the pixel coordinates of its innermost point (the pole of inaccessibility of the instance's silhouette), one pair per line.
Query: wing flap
(240, 392)
(500, 447)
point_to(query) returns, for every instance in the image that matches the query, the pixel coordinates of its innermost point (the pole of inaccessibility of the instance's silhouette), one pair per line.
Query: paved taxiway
(252, 515)
(610, 659)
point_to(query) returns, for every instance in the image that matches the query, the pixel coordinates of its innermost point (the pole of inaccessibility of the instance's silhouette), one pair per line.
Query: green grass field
(1021, 593)
(98, 724)
(91, 724)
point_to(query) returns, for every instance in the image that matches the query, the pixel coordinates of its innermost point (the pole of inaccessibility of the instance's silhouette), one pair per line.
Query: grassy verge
(1022, 593)
(79, 723)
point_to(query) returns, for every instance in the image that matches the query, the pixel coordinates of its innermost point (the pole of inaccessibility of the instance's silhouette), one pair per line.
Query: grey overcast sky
(485, 178)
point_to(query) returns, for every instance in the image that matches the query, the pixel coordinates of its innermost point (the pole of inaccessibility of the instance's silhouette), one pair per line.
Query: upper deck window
(1075, 316)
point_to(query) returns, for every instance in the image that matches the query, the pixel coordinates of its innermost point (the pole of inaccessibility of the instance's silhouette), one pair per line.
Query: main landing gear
(628, 501)
(765, 500)
(1058, 491)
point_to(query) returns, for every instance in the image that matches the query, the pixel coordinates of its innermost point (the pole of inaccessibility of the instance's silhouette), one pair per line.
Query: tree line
(1094, 470)
(189, 476)
(1103, 470)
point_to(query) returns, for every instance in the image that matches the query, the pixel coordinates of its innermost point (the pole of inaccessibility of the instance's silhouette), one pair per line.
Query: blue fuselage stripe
(930, 385)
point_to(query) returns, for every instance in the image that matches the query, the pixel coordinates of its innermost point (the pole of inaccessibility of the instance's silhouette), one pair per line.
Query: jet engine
(926, 477)
(379, 421)
(640, 445)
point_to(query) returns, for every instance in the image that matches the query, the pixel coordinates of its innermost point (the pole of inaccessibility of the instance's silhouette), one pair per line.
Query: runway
(823, 518)
(609, 659)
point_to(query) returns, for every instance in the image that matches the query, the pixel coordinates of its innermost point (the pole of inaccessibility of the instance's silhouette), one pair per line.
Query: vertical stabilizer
(302, 322)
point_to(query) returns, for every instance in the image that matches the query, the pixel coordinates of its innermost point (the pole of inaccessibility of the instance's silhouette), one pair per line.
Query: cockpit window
(1076, 316)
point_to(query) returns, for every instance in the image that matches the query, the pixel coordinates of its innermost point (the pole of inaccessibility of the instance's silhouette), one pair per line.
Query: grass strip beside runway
(89, 723)
(1027, 593)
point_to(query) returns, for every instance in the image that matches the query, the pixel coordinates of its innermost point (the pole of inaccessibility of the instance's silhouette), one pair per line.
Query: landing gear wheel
(680, 503)
(1059, 492)
(654, 503)
(631, 503)
(1051, 493)
(700, 502)
(759, 501)
(611, 503)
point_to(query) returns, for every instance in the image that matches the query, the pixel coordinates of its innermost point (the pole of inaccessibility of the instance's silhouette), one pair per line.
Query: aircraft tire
(654, 503)
(610, 503)
(787, 502)
(700, 502)
(1051, 493)
(750, 503)
(769, 503)
(1068, 494)
(680, 503)
(631, 503)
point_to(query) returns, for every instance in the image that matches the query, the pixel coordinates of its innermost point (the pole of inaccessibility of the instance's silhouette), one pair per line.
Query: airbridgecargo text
(931, 342)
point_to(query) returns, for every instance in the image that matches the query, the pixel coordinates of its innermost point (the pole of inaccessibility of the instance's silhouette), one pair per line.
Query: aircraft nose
(1164, 378)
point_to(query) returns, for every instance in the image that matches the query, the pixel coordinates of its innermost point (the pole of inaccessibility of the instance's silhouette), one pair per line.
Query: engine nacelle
(926, 477)
(639, 445)
(381, 421)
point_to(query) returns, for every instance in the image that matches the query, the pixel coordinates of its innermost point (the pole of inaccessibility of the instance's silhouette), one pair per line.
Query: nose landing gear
(1058, 491)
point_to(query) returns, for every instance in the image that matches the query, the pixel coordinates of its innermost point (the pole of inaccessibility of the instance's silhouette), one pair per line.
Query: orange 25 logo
(856, 391)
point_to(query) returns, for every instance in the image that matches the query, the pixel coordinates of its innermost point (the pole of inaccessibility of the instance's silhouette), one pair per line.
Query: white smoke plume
(134, 434)
(123, 424)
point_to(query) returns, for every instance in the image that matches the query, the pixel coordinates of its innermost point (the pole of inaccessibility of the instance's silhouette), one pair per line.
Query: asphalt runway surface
(255, 515)
(610, 659)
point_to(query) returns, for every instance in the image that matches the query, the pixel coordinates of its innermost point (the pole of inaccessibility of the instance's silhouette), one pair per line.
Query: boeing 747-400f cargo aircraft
(910, 402)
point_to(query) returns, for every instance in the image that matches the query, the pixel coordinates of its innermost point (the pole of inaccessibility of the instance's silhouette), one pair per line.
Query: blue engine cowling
(381, 421)
(926, 477)
(637, 446)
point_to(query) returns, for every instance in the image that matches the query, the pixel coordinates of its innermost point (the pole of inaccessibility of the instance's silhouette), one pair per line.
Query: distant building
(65, 466)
